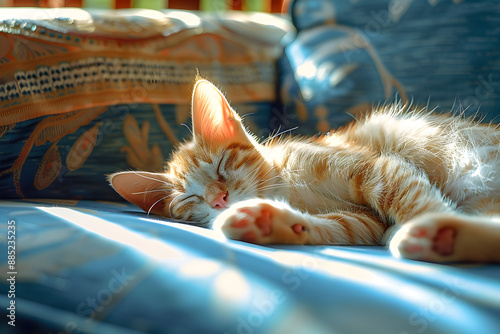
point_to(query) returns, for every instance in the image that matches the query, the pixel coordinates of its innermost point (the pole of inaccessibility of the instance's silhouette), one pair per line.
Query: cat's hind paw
(262, 222)
(427, 238)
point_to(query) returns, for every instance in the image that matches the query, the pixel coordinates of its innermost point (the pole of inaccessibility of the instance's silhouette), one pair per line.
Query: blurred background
(270, 6)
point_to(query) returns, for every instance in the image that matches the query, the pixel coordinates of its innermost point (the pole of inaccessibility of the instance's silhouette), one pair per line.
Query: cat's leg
(263, 222)
(426, 221)
(273, 222)
(397, 190)
(440, 237)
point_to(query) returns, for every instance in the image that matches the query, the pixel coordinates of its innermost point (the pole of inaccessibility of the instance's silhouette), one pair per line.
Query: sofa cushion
(350, 55)
(85, 93)
(94, 267)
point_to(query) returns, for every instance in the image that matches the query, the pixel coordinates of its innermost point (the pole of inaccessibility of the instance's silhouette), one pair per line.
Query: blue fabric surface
(350, 55)
(102, 267)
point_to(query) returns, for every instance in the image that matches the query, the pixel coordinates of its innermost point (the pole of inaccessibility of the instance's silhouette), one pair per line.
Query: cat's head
(221, 165)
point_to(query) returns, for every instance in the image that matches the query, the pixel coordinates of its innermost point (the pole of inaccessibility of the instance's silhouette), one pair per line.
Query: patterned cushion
(86, 93)
(349, 55)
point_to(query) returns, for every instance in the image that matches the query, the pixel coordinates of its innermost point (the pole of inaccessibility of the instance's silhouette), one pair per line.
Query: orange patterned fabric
(136, 57)
(85, 93)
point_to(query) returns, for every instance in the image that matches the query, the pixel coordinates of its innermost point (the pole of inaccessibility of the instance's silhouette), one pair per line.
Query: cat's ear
(149, 191)
(214, 121)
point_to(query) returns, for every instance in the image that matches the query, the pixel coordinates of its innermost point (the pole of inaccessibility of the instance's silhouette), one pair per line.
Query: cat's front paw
(263, 222)
(428, 238)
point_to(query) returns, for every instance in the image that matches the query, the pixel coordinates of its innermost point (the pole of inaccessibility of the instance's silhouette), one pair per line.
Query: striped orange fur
(435, 175)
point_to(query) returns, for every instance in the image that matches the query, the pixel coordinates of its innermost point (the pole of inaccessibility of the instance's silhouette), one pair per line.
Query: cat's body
(437, 176)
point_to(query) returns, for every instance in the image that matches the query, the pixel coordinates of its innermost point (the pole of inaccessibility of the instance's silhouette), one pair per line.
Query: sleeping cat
(427, 185)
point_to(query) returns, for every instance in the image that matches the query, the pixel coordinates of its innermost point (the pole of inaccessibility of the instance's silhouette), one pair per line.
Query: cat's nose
(220, 202)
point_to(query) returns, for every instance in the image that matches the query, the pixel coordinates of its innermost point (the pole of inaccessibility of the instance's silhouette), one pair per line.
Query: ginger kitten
(426, 185)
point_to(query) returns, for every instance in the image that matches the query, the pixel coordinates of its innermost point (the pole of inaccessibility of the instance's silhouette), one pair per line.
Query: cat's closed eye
(185, 202)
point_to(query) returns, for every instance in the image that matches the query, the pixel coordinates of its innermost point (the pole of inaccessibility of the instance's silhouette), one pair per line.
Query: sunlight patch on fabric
(239, 290)
(153, 248)
(200, 268)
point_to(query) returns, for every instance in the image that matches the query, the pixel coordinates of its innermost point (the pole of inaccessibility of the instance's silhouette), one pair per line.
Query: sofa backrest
(84, 93)
(351, 55)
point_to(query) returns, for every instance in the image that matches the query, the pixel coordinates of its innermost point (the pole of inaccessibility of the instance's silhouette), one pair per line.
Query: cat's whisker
(279, 134)
(170, 205)
(271, 187)
(279, 176)
(353, 116)
(149, 191)
(189, 128)
(273, 135)
(161, 199)
(153, 179)
(256, 171)
(280, 185)
(247, 114)
(295, 170)
(267, 173)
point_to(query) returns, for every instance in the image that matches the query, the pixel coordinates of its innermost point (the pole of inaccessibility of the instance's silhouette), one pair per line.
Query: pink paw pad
(419, 232)
(240, 223)
(263, 222)
(443, 241)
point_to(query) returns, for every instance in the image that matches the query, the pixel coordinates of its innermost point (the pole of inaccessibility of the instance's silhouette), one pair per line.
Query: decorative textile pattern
(350, 55)
(87, 93)
(71, 64)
